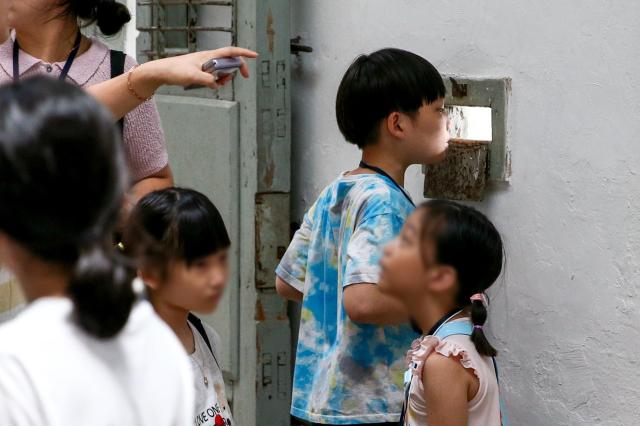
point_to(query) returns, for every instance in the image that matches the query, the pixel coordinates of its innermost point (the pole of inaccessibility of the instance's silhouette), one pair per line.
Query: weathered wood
(463, 173)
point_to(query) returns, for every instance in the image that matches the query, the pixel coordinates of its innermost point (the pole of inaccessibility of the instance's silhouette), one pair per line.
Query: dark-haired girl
(46, 40)
(86, 350)
(182, 245)
(440, 266)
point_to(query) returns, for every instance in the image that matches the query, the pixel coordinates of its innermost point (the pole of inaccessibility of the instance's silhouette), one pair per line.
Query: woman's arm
(160, 180)
(182, 70)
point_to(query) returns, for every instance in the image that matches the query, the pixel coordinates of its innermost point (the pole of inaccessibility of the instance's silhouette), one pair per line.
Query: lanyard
(445, 319)
(67, 64)
(385, 174)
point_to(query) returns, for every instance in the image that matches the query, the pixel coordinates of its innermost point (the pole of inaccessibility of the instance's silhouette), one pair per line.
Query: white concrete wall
(565, 316)
(131, 33)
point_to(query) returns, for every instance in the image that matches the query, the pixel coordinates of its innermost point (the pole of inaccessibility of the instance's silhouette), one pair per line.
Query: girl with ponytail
(440, 267)
(79, 353)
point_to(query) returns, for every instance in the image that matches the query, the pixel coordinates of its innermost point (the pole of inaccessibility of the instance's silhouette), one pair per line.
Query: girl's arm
(182, 70)
(446, 386)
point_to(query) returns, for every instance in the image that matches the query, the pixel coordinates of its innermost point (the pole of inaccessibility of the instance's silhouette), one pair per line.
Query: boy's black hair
(378, 84)
(469, 243)
(174, 223)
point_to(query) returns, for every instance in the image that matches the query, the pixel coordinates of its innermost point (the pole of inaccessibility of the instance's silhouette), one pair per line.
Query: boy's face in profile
(198, 286)
(428, 133)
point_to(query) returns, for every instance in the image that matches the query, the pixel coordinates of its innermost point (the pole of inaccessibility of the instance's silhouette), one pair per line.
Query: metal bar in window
(234, 34)
(158, 17)
(193, 2)
(170, 34)
(167, 52)
(192, 22)
(186, 28)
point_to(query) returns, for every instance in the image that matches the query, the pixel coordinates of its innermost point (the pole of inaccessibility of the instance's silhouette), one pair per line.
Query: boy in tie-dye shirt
(350, 357)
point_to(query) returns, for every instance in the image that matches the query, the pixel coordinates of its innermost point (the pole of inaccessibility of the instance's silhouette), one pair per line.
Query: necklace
(200, 365)
(385, 174)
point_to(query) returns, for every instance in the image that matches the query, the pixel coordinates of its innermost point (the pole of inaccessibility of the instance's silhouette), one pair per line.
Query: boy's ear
(150, 278)
(396, 125)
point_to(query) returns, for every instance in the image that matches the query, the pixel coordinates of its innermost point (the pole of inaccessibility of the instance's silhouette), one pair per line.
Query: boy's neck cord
(378, 170)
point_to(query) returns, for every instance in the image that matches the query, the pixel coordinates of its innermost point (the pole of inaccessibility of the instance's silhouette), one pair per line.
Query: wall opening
(478, 152)
(469, 123)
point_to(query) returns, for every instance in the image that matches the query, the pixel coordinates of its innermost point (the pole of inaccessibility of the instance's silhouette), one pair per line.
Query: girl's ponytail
(478, 318)
(57, 142)
(467, 241)
(101, 291)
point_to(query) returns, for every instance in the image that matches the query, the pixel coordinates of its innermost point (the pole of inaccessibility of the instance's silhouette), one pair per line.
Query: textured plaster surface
(565, 315)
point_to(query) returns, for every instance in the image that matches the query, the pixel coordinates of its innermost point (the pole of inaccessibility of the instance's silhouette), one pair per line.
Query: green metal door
(234, 146)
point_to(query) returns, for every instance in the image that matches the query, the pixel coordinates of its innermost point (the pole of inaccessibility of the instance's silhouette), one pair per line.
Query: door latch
(297, 48)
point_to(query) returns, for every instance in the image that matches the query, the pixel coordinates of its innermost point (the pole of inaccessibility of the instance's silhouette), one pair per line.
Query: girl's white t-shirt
(54, 374)
(211, 404)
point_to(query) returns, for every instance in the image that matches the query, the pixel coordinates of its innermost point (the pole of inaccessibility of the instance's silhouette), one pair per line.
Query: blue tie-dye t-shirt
(345, 372)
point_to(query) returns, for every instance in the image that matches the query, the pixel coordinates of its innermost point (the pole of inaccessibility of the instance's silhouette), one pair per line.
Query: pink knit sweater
(143, 137)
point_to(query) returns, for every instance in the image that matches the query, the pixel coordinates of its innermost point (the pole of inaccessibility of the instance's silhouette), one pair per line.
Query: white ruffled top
(484, 407)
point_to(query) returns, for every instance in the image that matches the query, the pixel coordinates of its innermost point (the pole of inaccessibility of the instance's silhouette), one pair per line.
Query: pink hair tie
(480, 297)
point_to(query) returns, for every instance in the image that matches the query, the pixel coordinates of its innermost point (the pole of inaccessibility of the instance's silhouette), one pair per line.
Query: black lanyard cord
(378, 170)
(67, 64)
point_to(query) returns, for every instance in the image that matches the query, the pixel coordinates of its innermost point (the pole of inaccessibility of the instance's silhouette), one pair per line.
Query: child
(78, 354)
(441, 264)
(182, 244)
(349, 363)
